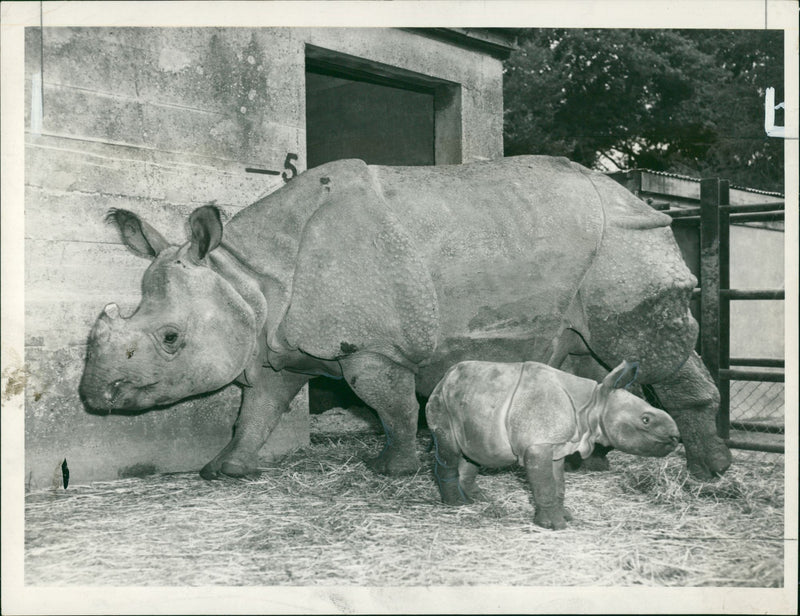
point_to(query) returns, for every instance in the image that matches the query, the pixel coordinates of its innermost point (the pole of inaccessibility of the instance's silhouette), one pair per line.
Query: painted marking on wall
(291, 170)
(287, 164)
(265, 171)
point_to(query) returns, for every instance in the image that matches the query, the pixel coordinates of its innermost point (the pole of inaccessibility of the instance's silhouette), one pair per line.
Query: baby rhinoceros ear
(206, 229)
(623, 376)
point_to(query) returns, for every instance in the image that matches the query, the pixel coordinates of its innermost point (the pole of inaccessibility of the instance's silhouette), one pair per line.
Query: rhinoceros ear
(137, 235)
(206, 231)
(623, 375)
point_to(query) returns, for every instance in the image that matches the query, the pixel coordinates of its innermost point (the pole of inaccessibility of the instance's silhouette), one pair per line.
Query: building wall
(161, 121)
(757, 262)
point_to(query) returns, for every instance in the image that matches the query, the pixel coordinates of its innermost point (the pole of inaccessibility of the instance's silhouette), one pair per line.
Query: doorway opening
(357, 108)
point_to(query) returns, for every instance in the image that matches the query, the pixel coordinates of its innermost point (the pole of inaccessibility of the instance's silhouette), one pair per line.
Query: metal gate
(714, 218)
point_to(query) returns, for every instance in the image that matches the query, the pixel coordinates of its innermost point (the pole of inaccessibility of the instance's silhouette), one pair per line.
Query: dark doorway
(380, 124)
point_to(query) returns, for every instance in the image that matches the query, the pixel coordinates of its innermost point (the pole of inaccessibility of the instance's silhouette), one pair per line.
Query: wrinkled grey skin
(387, 276)
(497, 414)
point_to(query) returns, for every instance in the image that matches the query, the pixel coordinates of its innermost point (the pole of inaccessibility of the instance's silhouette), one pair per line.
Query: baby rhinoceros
(494, 414)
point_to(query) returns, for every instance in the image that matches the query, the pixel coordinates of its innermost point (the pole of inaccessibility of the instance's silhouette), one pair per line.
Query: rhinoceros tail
(623, 209)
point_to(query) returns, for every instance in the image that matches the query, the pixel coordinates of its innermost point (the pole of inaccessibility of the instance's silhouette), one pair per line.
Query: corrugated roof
(678, 176)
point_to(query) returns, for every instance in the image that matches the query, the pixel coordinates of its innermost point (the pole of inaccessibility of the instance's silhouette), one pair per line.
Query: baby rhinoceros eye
(645, 419)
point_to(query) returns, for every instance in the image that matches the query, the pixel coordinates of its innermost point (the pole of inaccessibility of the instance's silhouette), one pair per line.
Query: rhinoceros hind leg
(467, 473)
(389, 389)
(446, 470)
(692, 399)
(261, 409)
(447, 475)
(449, 462)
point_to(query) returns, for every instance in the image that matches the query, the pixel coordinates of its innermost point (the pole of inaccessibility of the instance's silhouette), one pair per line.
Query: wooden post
(710, 277)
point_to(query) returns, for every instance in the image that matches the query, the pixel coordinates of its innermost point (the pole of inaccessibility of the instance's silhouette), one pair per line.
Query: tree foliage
(683, 101)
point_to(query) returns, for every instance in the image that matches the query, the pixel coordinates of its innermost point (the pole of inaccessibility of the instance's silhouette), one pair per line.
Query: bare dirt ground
(319, 517)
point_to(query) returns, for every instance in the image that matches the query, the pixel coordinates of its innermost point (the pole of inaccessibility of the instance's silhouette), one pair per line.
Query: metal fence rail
(714, 217)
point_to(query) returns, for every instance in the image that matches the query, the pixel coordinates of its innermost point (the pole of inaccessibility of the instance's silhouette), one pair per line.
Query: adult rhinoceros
(387, 276)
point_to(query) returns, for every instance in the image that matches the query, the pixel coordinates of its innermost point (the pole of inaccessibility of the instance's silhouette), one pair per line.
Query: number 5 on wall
(291, 170)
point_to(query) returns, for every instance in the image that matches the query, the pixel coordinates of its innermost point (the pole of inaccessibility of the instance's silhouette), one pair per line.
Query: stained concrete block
(66, 322)
(79, 216)
(179, 438)
(242, 133)
(73, 270)
(57, 166)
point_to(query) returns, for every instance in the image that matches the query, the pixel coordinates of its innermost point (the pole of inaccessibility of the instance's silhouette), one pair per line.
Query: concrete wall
(160, 121)
(757, 262)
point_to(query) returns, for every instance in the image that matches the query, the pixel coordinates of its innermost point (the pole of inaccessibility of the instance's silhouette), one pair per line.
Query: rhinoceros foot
(394, 463)
(473, 492)
(707, 456)
(713, 460)
(217, 469)
(551, 517)
(452, 494)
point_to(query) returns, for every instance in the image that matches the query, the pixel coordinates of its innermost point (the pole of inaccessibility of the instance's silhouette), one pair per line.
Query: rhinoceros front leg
(542, 477)
(558, 472)
(389, 389)
(692, 399)
(262, 406)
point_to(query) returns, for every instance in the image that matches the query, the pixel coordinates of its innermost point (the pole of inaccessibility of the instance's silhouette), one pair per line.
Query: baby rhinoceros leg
(449, 462)
(446, 468)
(548, 496)
(467, 472)
(558, 472)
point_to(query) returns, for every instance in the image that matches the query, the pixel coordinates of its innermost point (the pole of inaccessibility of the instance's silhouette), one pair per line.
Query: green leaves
(682, 101)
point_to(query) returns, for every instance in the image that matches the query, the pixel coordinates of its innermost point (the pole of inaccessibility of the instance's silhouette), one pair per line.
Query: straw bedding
(319, 517)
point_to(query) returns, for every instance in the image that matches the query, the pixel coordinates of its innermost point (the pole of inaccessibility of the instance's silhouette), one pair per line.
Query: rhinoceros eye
(169, 338)
(645, 419)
